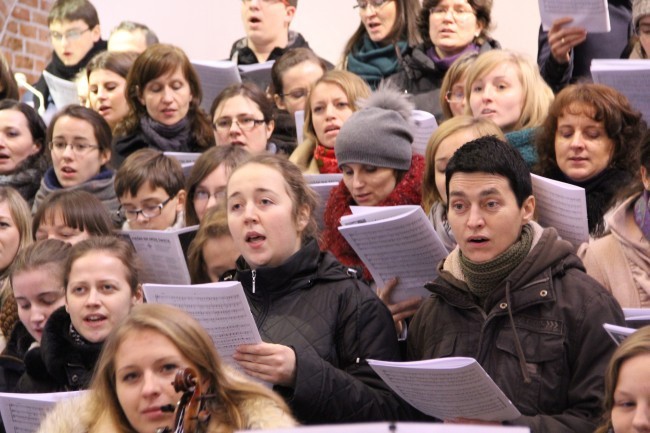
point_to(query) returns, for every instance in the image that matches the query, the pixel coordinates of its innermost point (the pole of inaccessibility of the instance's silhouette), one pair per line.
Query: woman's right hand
(400, 310)
(562, 39)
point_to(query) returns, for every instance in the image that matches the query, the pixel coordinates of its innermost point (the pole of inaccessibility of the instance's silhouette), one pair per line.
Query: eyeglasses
(77, 148)
(245, 124)
(267, 2)
(296, 94)
(204, 196)
(376, 4)
(457, 14)
(455, 96)
(71, 35)
(146, 211)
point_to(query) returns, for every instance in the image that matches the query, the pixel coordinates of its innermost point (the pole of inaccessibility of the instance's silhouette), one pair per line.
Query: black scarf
(58, 69)
(174, 138)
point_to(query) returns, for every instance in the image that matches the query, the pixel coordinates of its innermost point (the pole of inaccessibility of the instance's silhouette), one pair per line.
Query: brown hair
(79, 209)
(49, 253)
(214, 225)
(7, 81)
(301, 194)
(404, 28)
(210, 160)
(482, 9)
(118, 62)
(149, 166)
(481, 127)
(155, 61)
(623, 124)
(635, 345)
(73, 10)
(116, 247)
(454, 74)
(249, 90)
(287, 61)
(35, 122)
(101, 129)
(230, 390)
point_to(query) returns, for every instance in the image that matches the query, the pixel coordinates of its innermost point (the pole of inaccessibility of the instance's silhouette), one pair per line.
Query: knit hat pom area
(379, 133)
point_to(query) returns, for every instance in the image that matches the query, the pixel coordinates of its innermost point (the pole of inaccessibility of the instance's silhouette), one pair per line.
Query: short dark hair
(149, 166)
(73, 10)
(249, 90)
(34, 121)
(287, 61)
(102, 131)
(150, 36)
(492, 155)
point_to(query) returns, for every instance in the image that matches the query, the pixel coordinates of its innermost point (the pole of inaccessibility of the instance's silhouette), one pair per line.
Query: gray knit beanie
(379, 133)
(640, 8)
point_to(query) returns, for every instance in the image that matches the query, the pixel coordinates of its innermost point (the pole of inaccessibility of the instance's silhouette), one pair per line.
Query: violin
(190, 414)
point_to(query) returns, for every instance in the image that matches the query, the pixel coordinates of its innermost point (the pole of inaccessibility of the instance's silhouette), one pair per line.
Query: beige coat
(73, 416)
(620, 261)
(303, 157)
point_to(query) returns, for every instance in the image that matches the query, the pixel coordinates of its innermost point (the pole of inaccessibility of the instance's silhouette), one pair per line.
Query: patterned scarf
(326, 159)
(173, 138)
(373, 62)
(642, 213)
(483, 278)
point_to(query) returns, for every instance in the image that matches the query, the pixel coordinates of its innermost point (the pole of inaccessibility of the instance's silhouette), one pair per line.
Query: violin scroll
(190, 415)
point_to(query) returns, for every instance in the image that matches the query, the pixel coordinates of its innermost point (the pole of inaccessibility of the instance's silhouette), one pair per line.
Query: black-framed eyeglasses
(376, 4)
(245, 123)
(146, 211)
(296, 94)
(71, 35)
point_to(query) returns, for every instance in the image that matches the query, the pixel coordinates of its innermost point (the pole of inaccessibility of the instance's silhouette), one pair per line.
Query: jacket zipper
(253, 273)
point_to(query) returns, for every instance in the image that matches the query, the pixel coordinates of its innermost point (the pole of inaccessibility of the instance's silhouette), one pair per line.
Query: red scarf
(326, 159)
(407, 191)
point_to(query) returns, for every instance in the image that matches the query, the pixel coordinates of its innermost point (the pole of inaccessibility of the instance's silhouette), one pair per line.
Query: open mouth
(68, 170)
(478, 240)
(104, 108)
(254, 237)
(254, 20)
(331, 128)
(487, 112)
(94, 319)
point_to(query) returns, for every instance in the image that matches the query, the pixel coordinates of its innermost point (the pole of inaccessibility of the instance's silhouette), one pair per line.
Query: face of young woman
(296, 82)
(37, 296)
(239, 111)
(368, 185)
(167, 97)
(106, 95)
(330, 109)
(631, 410)
(211, 191)
(74, 167)
(582, 147)
(452, 27)
(145, 367)
(260, 216)
(498, 96)
(55, 228)
(98, 295)
(644, 33)
(445, 151)
(9, 236)
(16, 141)
(379, 21)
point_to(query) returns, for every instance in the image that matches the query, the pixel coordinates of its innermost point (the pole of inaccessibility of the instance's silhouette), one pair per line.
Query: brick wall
(24, 35)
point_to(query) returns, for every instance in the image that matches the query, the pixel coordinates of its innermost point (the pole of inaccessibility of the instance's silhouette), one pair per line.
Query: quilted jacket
(552, 367)
(334, 323)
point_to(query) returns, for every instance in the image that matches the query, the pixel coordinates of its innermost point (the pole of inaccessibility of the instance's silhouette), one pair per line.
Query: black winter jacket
(62, 363)
(334, 323)
(558, 312)
(421, 78)
(12, 364)
(241, 54)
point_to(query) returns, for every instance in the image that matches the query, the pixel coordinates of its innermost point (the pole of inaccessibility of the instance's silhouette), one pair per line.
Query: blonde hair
(354, 87)
(481, 127)
(454, 74)
(538, 96)
(197, 347)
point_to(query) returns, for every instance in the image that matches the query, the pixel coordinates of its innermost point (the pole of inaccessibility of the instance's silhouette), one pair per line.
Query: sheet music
(593, 15)
(424, 124)
(322, 184)
(221, 308)
(461, 386)
(618, 333)
(399, 427)
(630, 77)
(299, 117)
(23, 413)
(258, 73)
(215, 76)
(187, 160)
(63, 92)
(404, 246)
(563, 206)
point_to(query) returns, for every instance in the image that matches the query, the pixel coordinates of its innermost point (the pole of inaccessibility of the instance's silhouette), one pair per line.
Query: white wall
(205, 29)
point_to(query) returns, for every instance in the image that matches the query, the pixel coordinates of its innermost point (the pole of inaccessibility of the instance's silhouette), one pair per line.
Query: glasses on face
(459, 14)
(376, 4)
(455, 96)
(244, 123)
(148, 212)
(267, 2)
(202, 196)
(58, 147)
(296, 94)
(70, 35)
